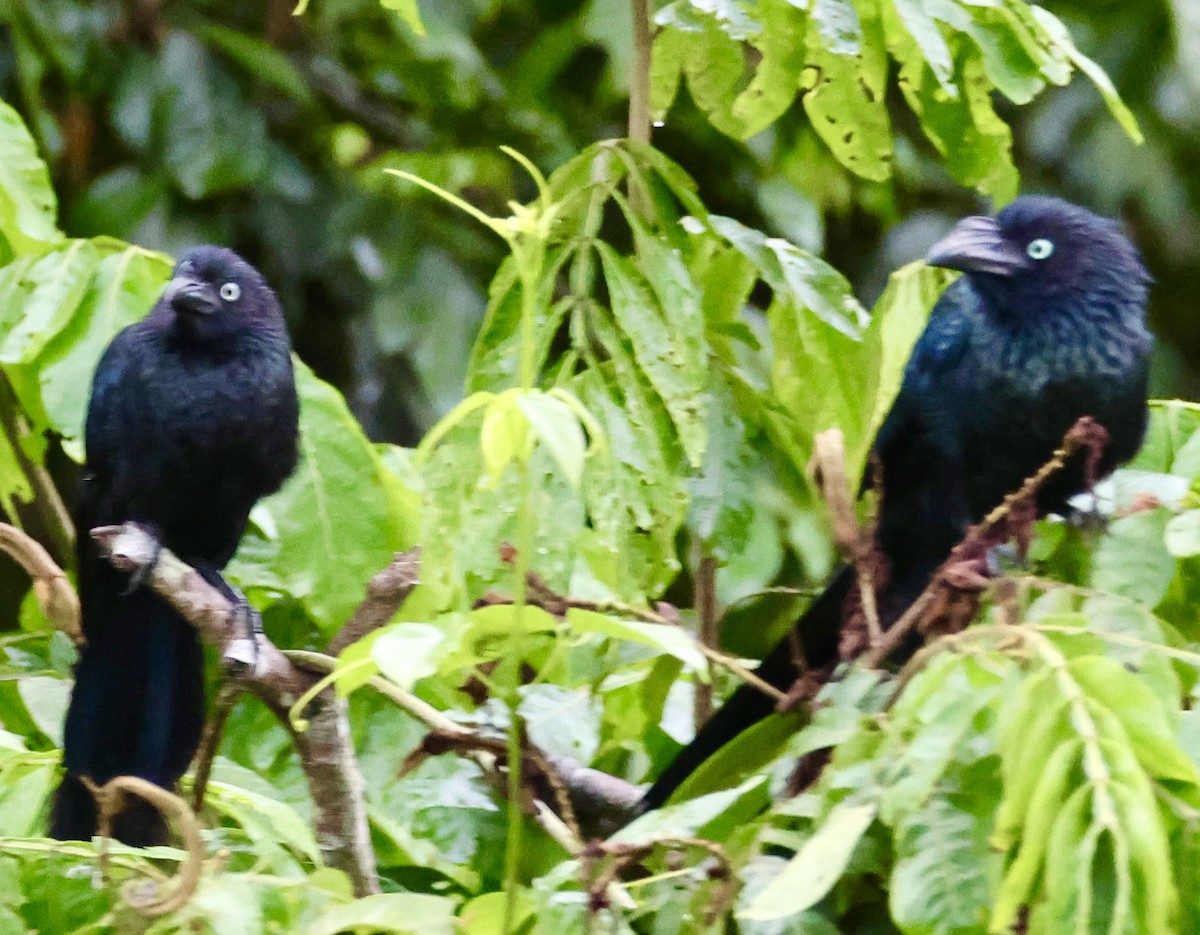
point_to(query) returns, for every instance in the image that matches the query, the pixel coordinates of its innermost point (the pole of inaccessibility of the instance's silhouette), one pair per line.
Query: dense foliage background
(629, 359)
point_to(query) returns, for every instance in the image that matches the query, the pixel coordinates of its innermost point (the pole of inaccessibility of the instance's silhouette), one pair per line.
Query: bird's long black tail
(815, 633)
(137, 707)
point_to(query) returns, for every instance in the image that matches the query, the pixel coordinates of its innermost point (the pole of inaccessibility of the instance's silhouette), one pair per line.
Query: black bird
(1046, 326)
(192, 418)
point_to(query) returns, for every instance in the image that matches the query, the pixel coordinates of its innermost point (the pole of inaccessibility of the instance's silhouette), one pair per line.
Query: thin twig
(108, 805)
(211, 740)
(708, 632)
(856, 545)
(1079, 436)
(386, 591)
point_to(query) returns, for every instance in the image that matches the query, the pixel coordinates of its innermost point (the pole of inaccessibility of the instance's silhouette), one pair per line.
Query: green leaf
(1060, 38)
(1151, 727)
(213, 140)
(267, 821)
(743, 757)
(46, 701)
(939, 883)
(845, 97)
(1182, 534)
(811, 874)
(927, 37)
(389, 914)
(124, 286)
(897, 320)
(963, 126)
(777, 78)
(713, 816)
(557, 427)
(408, 11)
(339, 518)
(56, 285)
(27, 204)
(260, 59)
(408, 652)
(677, 375)
(671, 640)
(1132, 559)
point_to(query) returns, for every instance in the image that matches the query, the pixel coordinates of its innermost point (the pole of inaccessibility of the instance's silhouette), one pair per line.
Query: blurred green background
(171, 123)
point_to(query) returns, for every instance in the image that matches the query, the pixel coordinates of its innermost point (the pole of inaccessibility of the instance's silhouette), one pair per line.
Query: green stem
(516, 819)
(529, 266)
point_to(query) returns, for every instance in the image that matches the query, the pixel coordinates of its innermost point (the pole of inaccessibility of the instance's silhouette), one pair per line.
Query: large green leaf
(338, 519)
(28, 207)
(123, 287)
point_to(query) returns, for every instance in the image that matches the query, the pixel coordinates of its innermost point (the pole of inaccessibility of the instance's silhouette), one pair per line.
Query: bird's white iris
(230, 291)
(1040, 249)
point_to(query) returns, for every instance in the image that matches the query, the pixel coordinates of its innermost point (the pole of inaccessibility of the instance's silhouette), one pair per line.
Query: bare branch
(54, 593)
(955, 574)
(385, 593)
(325, 748)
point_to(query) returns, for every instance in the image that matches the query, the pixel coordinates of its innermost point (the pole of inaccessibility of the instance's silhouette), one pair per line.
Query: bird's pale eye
(1040, 249)
(231, 291)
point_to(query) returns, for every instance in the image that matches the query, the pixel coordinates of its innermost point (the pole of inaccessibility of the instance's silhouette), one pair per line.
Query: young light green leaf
(556, 427)
(811, 874)
(663, 637)
(408, 11)
(504, 435)
(409, 652)
(389, 914)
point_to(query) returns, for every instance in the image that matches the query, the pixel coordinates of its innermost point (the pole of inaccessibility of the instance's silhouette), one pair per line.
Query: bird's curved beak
(977, 245)
(191, 296)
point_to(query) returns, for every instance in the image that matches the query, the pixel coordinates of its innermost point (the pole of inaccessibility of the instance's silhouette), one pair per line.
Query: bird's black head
(1040, 251)
(214, 293)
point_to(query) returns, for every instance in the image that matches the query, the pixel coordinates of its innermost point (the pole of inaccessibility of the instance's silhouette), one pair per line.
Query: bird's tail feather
(816, 633)
(137, 709)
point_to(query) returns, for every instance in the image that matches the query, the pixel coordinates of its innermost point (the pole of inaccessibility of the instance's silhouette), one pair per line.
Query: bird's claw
(241, 652)
(141, 574)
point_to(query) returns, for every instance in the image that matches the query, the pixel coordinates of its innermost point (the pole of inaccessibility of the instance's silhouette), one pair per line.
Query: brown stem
(212, 740)
(385, 593)
(639, 81)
